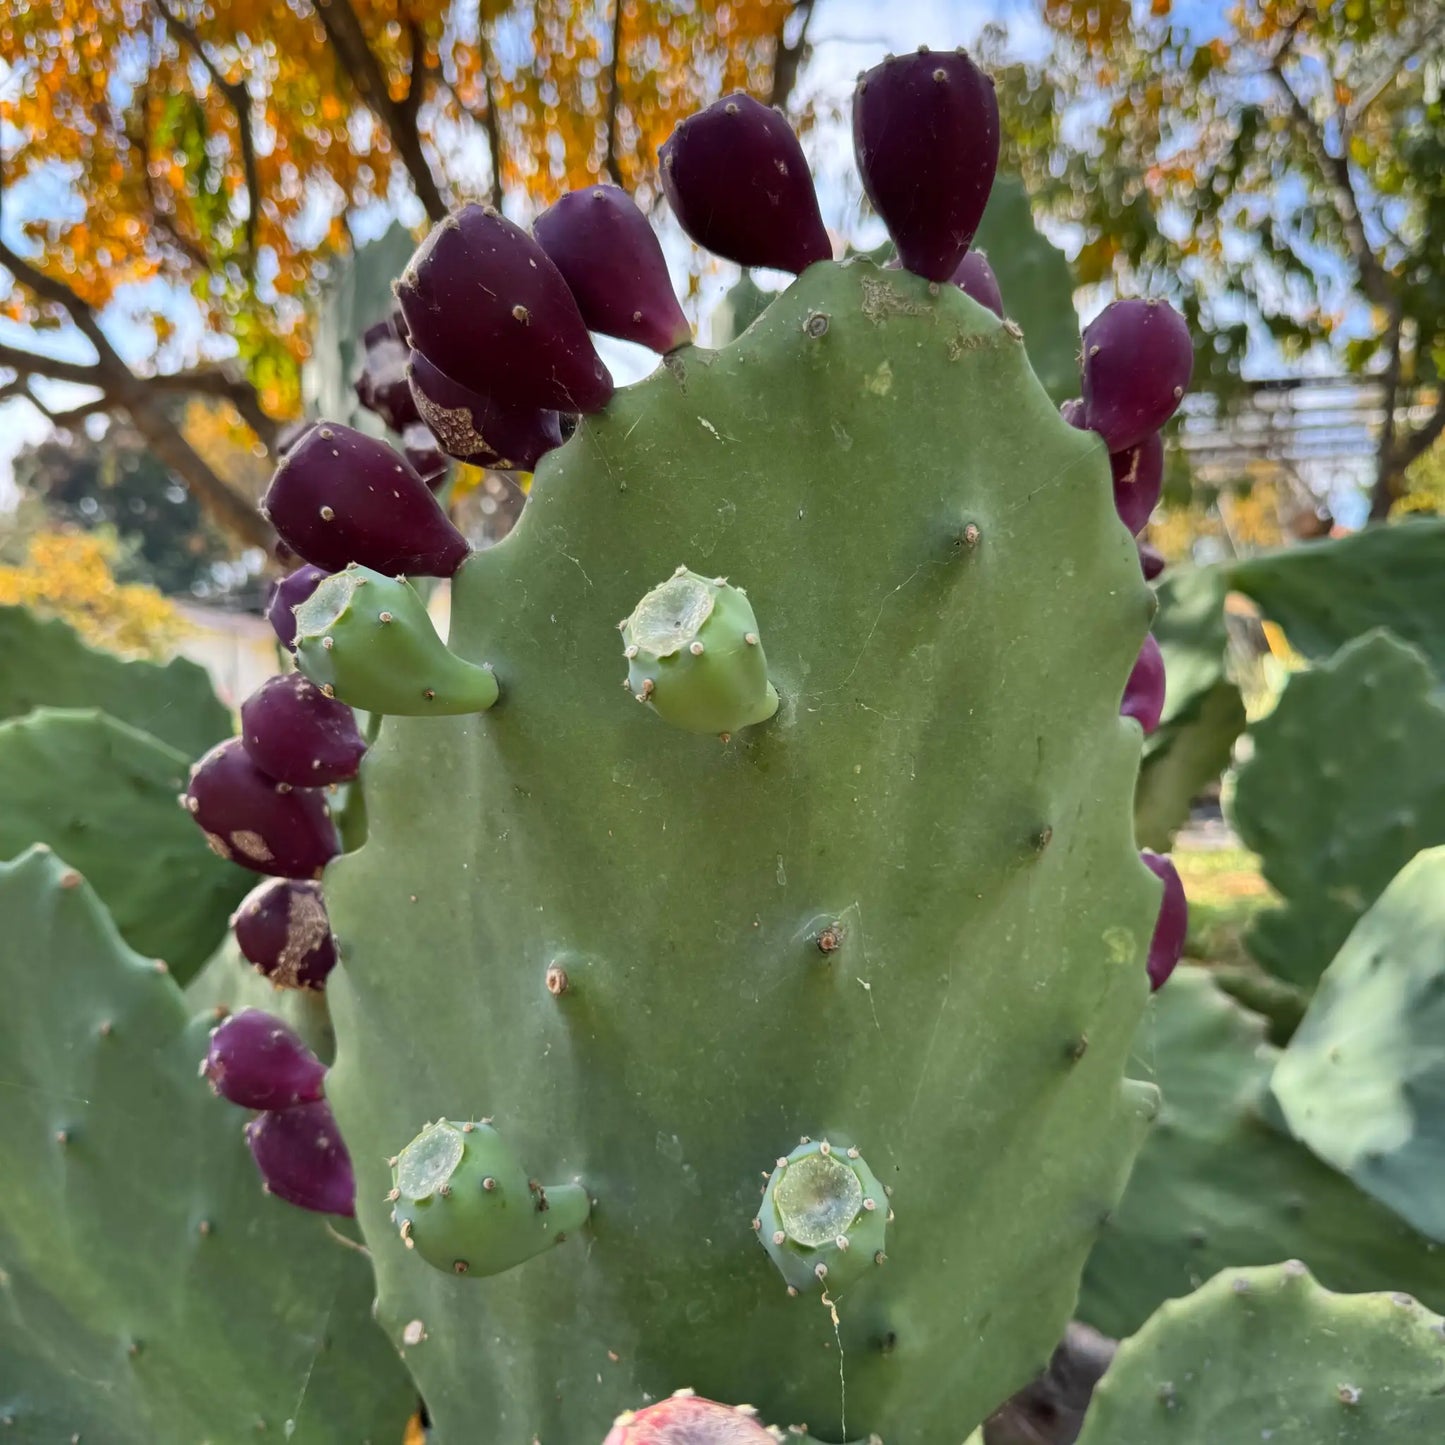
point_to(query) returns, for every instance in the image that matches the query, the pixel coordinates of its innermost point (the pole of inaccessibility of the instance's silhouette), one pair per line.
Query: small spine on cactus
(259, 1062)
(1166, 946)
(1138, 358)
(1144, 691)
(687, 1419)
(1138, 480)
(486, 306)
(302, 1160)
(824, 1217)
(609, 256)
(695, 655)
(462, 1201)
(926, 137)
(250, 818)
(381, 387)
(1072, 412)
(341, 496)
(367, 639)
(286, 595)
(737, 181)
(298, 735)
(283, 930)
(475, 428)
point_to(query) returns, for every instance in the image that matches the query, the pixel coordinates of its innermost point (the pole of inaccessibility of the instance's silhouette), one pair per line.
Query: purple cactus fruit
(926, 135)
(381, 387)
(1144, 691)
(288, 594)
(253, 820)
(427, 459)
(283, 929)
(1166, 947)
(1151, 561)
(302, 1159)
(257, 1061)
(1138, 480)
(476, 429)
(486, 306)
(298, 735)
(735, 177)
(1138, 359)
(341, 496)
(974, 276)
(1072, 412)
(609, 256)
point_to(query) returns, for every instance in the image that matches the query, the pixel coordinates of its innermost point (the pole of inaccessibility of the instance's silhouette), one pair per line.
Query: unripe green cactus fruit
(693, 652)
(823, 1218)
(366, 639)
(461, 1200)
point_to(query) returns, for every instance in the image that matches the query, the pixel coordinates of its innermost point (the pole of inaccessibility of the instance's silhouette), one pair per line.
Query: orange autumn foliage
(139, 106)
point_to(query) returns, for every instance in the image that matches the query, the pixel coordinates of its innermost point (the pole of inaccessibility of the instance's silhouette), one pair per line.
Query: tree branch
(239, 99)
(1336, 169)
(1387, 469)
(494, 142)
(787, 58)
(610, 160)
(32, 363)
(1419, 441)
(139, 398)
(348, 40)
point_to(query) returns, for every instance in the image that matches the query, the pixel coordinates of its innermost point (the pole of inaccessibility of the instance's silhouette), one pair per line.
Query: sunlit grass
(1225, 891)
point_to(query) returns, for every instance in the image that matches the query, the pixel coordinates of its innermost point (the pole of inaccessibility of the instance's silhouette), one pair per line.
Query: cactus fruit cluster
(734, 932)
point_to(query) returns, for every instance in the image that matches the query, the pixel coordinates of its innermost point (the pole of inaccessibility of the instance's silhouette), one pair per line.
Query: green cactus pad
(1326, 593)
(368, 640)
(824, 1217)
(104, 795)
(695, 657)
(1346, 785)
(607, 932)
(44, 663)
(1267, 1355)
(149, 1290)
(1363, 1080)
(1218, 1184)
(461, 1200)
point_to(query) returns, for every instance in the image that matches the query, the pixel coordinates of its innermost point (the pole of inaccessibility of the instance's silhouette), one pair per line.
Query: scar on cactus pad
(464, 1204)
(823, 1218)
(694, 654)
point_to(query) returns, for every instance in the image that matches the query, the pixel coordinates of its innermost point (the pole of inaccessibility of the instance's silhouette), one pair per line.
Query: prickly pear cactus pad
(149, 1291)
(1363, 1080)
(905, 912)
(1219, 1184)
(104, 795)
(46, 664)
(1346, 785)
(1266, 1354)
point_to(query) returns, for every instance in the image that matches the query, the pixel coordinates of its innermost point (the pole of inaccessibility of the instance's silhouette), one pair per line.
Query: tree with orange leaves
(229, 147)
(1279, 164)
